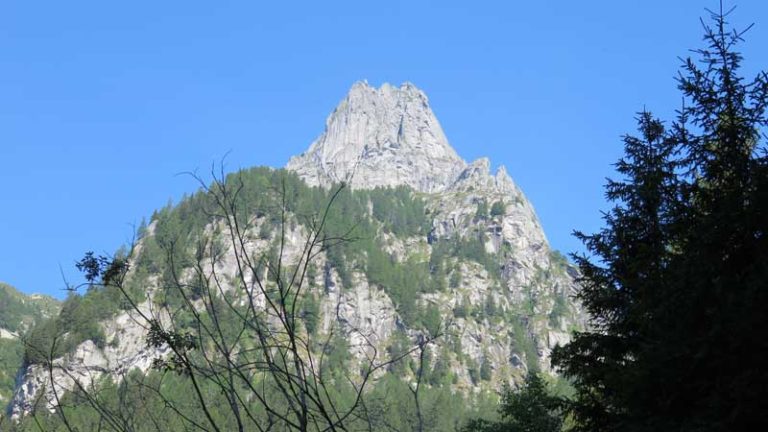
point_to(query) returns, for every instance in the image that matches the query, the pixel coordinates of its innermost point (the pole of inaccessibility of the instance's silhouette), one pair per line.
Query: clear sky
(102, 103)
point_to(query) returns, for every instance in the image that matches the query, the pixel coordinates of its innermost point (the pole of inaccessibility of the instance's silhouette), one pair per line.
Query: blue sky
(102, 104)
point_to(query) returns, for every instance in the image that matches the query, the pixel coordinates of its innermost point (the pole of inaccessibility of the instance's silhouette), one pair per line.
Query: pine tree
(712, 358)
(616, 292)
(530, 409)
(677, 284)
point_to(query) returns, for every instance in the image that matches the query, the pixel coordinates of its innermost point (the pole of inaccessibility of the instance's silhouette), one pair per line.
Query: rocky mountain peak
(506, 295)
(386, 136)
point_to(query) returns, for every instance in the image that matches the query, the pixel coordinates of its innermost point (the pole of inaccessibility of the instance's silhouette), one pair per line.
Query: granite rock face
(88, 363)
(390, 137)
(381, 137)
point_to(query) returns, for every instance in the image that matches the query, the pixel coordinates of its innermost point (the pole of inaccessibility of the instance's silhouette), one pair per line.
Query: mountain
(390, 137)
(18, 312)
(378, 138)
(438, 243)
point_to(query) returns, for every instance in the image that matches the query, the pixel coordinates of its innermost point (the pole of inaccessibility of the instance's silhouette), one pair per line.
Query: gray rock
(381, 137)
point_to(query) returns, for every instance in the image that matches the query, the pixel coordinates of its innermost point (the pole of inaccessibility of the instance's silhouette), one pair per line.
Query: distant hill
(18, 313)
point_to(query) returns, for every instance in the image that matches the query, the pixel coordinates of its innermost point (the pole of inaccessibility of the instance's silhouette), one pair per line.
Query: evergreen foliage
(135, 403)
(533, 408)
(18, 311)
(482, 210)
(178, 237)
(77, 321)
(676, 289)
(498, 208)
(11, 357)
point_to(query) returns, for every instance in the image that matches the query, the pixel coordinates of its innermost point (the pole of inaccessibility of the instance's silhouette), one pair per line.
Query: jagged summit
(469, 247)
(385, 136)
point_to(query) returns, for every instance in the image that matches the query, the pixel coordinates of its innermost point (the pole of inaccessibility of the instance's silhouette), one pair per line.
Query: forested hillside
(18, 313)
(392, 279)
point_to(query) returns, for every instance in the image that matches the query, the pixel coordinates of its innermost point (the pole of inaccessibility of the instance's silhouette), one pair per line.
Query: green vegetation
(174, 239)
(482, 210)
(677, 286)
(559, 310)
(485, 369)
(18, 312)
(523, 343)
(389, 406)
(178, 237)
(498, 209)
(11, 357)
(77, 321)
(468, 248)
(558, 259)
(531, 409)
(178, 231)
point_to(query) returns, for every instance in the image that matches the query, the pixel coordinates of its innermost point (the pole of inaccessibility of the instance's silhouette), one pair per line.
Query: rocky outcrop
(390, 137)
(381, 137)
(127, 350)
(7, 334)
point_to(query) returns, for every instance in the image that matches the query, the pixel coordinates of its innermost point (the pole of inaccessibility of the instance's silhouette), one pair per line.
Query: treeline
(138, 404)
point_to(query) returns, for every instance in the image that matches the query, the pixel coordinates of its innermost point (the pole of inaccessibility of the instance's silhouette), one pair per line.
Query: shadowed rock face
(381, 137)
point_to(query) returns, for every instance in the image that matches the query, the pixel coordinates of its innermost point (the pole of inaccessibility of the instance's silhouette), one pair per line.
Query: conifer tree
(532, 408)
(676, 284)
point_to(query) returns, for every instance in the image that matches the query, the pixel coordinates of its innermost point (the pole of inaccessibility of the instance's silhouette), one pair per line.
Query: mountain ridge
(389, 136)
(444, 238)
